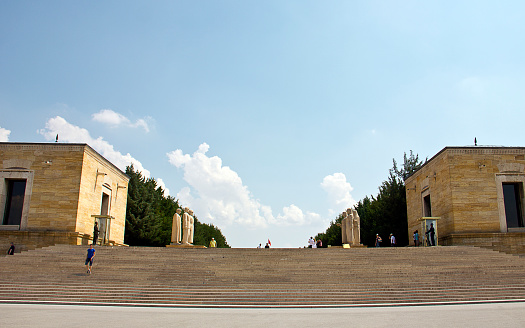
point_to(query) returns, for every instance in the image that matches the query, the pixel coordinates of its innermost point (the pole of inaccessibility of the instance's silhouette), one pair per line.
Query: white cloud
(110, 117)
(4, 134)
(293, 215)
(338, 190)
(160, 183)
(68, 132)
(217, 193)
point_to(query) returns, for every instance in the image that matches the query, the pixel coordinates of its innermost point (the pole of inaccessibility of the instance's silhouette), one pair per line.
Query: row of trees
(383, 214)
(149, 215)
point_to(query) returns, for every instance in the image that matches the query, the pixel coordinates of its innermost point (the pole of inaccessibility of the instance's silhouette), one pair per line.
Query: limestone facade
(65, 184)
(464, 187)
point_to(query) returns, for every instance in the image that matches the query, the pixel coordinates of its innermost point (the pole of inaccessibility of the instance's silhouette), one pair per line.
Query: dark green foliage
(149, 216)
(384, 214)
(332, 235)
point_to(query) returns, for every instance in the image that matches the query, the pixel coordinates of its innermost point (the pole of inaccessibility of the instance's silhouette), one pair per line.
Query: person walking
(11, 250)
(89, 258)
(392, 240)
(378, 240)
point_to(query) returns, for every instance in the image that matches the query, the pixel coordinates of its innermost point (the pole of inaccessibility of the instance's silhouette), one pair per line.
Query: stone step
(292, 277)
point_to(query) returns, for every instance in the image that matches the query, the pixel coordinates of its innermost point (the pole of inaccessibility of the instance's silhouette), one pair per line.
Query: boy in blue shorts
(89, 258)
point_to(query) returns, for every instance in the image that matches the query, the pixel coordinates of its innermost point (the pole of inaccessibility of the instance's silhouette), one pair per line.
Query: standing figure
(344, 239)
(378, 240)
(186, 226)
(11, 250)
(95, 233)
(311, 242)
(213, 243)
(349, 226)
(431, 235)
(416, 238)
(190, 239)
(392, 240)
(175, 229)
(356, 228)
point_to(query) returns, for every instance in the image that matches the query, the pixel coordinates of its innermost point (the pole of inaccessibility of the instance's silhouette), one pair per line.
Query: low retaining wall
(513, 242)
(27, 240)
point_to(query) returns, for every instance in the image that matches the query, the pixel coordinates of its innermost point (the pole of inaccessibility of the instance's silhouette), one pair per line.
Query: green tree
(385, 213)
(149, 215)
(332, 235)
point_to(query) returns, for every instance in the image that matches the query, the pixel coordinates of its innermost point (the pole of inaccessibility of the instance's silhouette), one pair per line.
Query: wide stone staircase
(262, 277)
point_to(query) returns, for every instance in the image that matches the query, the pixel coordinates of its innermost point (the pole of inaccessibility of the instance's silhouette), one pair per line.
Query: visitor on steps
(416, 238)
(319, 243)
(213, 243)
(95, 233)
(89, 258)
(11, 250)
(392, 240)
(378, 240)
(311, 242)
(431, 233)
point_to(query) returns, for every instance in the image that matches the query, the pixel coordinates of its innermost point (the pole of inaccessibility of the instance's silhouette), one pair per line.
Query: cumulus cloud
(293, 215)
(217, 193)
(338, 190)
(4, 134)
(71, 133)
(110, 117)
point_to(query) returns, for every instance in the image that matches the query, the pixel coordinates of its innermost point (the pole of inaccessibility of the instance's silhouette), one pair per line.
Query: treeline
(149, 216)
(383, 214)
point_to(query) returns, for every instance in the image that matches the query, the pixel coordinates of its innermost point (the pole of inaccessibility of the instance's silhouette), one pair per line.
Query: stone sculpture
(190, 239)
(351, 227)
(186, 226)
(176, 228)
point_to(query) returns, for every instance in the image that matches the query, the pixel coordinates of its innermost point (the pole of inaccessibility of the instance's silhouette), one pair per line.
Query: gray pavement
(463, 315)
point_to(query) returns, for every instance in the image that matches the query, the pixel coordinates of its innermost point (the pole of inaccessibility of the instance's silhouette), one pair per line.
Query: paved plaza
(464, 315)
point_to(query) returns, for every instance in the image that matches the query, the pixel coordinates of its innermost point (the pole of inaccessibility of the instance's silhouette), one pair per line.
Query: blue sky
(268, 118)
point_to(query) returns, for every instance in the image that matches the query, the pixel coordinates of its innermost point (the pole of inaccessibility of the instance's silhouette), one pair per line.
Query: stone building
(52, 193)
(478, 194)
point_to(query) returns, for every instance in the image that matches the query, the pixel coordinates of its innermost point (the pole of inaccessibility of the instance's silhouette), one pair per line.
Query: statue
(356, 228)
(343, 228)
(187, 226)
(175, 229)
(190, 239)
(351, 227)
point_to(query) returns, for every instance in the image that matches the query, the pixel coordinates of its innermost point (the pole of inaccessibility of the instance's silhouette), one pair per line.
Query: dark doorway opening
(512, 197)
(14, 204)
(427, 208)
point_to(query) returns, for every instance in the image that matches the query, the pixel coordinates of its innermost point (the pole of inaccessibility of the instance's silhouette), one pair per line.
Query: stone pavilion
(53, 193)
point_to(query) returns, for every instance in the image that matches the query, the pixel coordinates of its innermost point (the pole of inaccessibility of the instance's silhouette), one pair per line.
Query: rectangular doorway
(427, 208)
(512, 197)
(14, 204)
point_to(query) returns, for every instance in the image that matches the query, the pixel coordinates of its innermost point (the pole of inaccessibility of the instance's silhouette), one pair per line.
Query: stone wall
(464, 184)
(65, 186)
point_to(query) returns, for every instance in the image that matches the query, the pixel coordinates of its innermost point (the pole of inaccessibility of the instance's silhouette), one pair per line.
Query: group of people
(430, 234)
(312, 243)
(391, 238)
